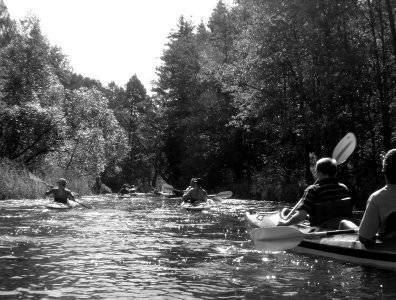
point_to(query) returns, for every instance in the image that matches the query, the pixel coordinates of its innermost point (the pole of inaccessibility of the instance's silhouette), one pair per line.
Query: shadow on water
(151, 248)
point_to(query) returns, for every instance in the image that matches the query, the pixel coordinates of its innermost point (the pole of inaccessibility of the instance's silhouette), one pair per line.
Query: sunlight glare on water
(144, 247)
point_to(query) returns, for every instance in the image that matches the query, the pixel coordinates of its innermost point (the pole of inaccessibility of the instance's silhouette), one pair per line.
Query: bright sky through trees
(112, 40)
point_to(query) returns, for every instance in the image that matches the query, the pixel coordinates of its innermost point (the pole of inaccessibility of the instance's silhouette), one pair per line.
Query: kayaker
(195, 194)
(325, 203)
(125, 189)
(379, 216)
(61, 194)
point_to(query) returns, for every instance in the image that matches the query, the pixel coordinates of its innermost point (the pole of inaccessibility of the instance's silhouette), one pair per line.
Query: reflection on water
(151, 248)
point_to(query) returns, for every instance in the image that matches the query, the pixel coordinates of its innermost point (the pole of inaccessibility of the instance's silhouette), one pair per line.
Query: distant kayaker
(125, 189)
(61, 194)
(379, 216)
(195, 194)
(325, 203)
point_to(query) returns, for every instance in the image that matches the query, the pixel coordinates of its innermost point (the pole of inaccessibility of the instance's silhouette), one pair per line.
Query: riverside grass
(15, 182)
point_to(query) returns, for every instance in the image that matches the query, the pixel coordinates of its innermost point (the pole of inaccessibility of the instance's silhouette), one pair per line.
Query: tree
(178, 89)
(138, 115)
(7, 26)
(29, 132)
(94, 137)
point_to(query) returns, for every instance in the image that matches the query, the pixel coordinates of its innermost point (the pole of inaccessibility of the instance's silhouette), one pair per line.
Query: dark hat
(62, 181)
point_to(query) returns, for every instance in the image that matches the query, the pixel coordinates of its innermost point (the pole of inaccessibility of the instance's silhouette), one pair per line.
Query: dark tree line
(248, 97)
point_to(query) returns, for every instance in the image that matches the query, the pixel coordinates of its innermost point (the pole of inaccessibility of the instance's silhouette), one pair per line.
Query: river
(150, 248)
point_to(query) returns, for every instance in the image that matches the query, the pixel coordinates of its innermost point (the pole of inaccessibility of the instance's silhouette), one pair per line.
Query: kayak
(196, 208)
(164, 194)
(121, 196)
(62, 206)
(345, 247)
(264, 220)
(173, 196)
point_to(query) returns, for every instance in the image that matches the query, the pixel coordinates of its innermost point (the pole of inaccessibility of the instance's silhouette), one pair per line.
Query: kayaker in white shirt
(380, 205)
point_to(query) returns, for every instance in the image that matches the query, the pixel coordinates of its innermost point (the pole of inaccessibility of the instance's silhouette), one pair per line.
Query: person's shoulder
(50, 190)
(375, 196)
(379, 192)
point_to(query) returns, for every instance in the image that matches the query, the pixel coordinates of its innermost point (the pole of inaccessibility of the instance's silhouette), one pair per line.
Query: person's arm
(302, 212)
(297, 217)
(189, 188)
(187, 196)
(49, 192)
(370, 224)
(70, 195)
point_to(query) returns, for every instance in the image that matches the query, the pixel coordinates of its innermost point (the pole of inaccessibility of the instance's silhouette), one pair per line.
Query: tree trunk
(391, 25)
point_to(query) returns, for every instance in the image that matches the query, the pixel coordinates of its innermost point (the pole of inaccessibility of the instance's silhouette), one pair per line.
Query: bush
(15, 182)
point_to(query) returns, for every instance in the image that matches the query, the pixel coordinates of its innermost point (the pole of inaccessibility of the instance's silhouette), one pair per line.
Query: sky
(112, 40)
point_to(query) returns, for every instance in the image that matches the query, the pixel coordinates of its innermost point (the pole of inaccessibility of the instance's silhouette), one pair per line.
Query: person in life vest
(326, 202)
(195, 194)
(380, 214)
(125, 189)
(61, 194)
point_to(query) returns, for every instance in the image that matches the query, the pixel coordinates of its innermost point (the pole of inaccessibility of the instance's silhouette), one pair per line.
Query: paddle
(286, 237)
(37, 179)
(219, 196)
(341, 153)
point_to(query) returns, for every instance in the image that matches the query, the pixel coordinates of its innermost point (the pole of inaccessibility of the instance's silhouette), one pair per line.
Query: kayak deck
(62, 206)
(198, 208)
(346, 247)
(265, 220)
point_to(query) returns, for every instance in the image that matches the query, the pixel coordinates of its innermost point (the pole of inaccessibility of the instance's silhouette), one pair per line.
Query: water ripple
(146, 247)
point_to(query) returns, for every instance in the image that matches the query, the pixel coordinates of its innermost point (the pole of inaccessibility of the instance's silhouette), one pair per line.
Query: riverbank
(15, 182)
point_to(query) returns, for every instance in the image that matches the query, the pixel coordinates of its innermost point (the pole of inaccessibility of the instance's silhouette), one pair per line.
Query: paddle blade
(82, 204)
(277, 233)
(276, 238)
(224, 195)
(214, 198)
(279, 245)
(344, 148)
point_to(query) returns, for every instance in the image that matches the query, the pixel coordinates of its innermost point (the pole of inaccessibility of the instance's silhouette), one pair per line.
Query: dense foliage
(58, 123)
(244, 101)
(247, 99)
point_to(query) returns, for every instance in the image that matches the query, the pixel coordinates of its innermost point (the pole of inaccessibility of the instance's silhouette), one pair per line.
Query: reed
(15, 182)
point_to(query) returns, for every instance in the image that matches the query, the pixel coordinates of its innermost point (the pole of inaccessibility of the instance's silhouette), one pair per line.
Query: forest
(243, 101)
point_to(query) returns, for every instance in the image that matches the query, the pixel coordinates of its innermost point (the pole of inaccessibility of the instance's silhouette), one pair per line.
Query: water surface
(146, 247)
